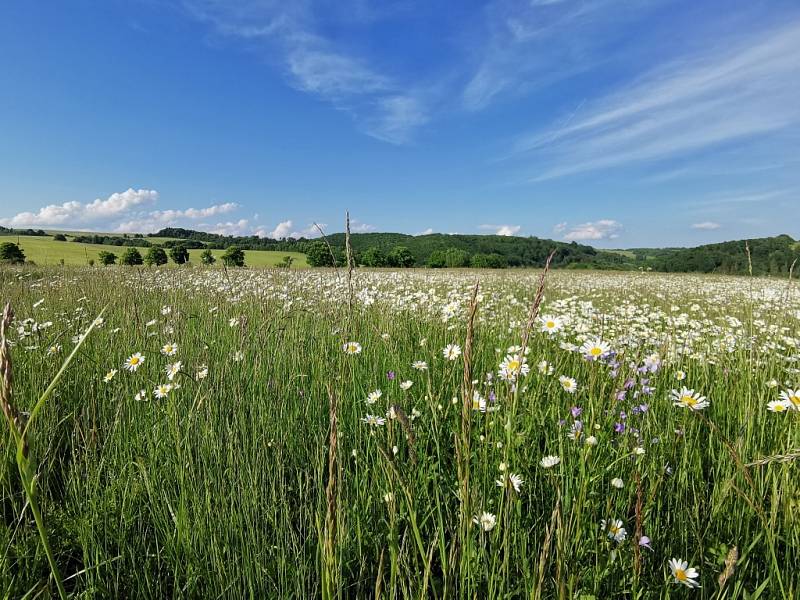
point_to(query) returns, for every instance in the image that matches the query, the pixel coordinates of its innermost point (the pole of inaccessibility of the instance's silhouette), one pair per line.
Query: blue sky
(618, 124)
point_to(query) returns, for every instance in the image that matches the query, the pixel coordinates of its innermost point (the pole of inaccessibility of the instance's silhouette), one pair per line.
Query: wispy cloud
(384, 106)
(532, 44)
(706, 225)
(604, 229)
(748, 89)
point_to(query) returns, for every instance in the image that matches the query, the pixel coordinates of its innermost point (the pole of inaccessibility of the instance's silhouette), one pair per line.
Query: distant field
(46, 251)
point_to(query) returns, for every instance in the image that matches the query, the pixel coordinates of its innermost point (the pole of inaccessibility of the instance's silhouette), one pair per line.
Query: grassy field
(272, 434)
(46, 251)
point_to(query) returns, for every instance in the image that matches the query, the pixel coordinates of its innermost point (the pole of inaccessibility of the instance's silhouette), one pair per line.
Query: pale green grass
(46, 251)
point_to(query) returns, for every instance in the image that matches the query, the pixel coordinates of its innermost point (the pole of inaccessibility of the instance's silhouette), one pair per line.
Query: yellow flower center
(688, 400)
(134, 360)
(779, 407)
(513, 365)
(795, 400)
(550, 324)
(680, 575)
(596, 351)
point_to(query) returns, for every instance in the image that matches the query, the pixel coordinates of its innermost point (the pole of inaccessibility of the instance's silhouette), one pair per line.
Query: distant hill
(769, 256)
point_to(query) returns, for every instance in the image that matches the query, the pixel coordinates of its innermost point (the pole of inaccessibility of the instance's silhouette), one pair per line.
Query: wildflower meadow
(265, 433)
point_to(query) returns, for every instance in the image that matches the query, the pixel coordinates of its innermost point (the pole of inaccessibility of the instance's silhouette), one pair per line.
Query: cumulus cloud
(506, 230)
(121, 212)
(604, 229)
(707, 225)
(427, 231)
(77, 213)
(282, 230)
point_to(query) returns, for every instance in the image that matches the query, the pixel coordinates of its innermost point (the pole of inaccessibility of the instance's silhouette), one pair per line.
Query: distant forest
(768, 256)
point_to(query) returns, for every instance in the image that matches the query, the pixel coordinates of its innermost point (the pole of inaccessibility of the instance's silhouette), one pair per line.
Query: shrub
(131, 257)
(10, 253)
(233, 257)
(155, 256)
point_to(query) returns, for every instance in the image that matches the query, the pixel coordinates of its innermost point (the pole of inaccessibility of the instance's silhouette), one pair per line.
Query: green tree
(107, 258)
(179, 255)
(233, 257)
(488, 261)
(60, 237)
(456, 258)
(437, 259)
(400, 256)
(207, 257)
(318, 255)
(131, 257)
(373, 257)
(155, 256)
(10, 253)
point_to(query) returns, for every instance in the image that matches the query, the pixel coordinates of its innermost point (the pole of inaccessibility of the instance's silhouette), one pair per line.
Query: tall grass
(262, 480)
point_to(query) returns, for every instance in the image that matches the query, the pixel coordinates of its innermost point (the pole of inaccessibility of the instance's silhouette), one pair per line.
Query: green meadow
(47, 251)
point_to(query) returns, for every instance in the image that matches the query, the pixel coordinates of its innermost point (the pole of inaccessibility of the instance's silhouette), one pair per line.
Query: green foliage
(770, 256)
(401, 257)
(10, 253)
(179, 255)
(285, 263)
(488, 261)
(207, 258)
(233, 257)
(318, 255)
(107, 258)
(373, 257)
(131, 257)
(60, 237)
(155, 256)
(437, 259)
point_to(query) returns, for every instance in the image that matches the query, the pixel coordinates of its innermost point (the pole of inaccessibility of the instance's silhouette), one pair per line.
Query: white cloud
(427, 231)
(736, 91)
(506, 230)
(121, 212)
(240, 227)
(357, 226)
(604, 229)
(560, 227)
(77, 214)
(707, 225)
(282, 230)
(331, 69)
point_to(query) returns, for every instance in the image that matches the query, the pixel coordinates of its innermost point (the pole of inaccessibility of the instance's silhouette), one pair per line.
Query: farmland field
(46, 251)
(273, 434)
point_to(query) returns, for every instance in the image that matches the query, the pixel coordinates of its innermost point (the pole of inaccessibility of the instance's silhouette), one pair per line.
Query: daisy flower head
(778, 406)
(617, 483)
(568, 384)
(54, 349)
(140, 396)
(614, 529)
(374, 421)
(513, 480)
(548, 462)
(594, 349)
(202, 372)
(792, 397)
(419, 365)
(109, 376)
(352, 348)
(513, 366)
(545, 368)
(486, 520)
(550, 324)
(451, 351)
(374, 396)
(169, 349)
(683, 573)
(686, 398)
(134, 361)
(162, 391)
(406, 385)
(173, 369)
